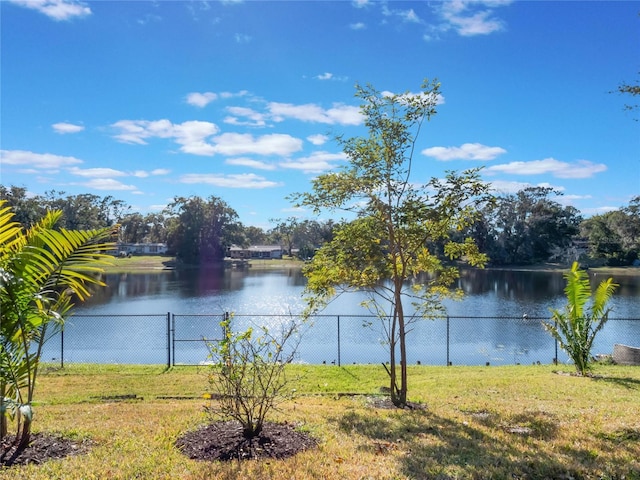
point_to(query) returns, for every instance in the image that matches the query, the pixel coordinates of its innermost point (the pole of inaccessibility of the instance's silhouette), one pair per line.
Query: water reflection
(130, 318)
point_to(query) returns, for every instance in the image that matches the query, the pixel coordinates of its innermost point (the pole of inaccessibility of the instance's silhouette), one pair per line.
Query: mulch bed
(224, 441)
(42, 447)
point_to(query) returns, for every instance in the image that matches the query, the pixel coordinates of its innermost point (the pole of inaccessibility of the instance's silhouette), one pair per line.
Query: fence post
(338, 340)
(62, 347)
(168, 339)
(173, 339)
(555, 359)
(448, 362)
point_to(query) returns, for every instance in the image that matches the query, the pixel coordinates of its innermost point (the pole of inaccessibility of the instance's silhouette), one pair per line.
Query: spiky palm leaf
(576, 325)
(40, 272)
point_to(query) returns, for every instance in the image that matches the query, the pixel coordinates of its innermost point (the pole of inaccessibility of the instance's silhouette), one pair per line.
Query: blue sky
(147, 100)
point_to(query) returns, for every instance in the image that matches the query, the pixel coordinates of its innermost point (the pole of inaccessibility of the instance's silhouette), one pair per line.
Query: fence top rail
(118, 315)
(295, 315)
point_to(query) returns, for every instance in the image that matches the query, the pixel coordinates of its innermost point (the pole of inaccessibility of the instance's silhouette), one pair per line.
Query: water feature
(498, 321)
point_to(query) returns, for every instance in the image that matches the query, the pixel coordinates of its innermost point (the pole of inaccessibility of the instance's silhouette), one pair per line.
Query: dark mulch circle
(224, 441)
(42, 447)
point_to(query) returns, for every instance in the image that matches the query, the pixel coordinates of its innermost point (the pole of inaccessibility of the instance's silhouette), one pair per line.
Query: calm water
(127, 322)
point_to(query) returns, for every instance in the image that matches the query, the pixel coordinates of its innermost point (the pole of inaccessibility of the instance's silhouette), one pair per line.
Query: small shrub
(248, 375)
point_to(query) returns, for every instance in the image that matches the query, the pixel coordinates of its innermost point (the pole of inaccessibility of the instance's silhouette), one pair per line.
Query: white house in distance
(256, 252)
(141, 249)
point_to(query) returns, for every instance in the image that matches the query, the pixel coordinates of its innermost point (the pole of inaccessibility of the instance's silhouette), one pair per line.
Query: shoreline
(155, 263)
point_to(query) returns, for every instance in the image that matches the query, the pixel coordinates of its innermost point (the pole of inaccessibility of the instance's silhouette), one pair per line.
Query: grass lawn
(480, 422)
(154, 263)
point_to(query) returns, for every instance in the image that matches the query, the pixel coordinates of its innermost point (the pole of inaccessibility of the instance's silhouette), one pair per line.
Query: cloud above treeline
(56, 9)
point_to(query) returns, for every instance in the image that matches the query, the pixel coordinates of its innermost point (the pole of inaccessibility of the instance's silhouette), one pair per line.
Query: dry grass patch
(480, 422)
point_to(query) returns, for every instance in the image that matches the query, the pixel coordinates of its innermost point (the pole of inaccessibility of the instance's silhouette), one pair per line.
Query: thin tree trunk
(392, 371)
(25, 435)
(3, 416)
(402, 400)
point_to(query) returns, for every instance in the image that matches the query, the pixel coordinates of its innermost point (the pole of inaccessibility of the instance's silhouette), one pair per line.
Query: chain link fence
(175, 339)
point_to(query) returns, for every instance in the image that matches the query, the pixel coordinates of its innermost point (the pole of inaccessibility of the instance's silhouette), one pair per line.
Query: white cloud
(317, 162)
(241, 93)
(339, 114)
(191, 135)
(472, 17)
(201, 99)
(107, 184)
(557, 168)
(357, 26)
(329, 76)
(249, 162)
(56, 9)
(254, 119)
(242, 144)
(245, 180)
(242, 38)
(63, 128)
(96, 172)
(28, 159)
(466, 151)
(409, 16)
(145, 174)
(318, 139)
(196, 137)
(361, 3)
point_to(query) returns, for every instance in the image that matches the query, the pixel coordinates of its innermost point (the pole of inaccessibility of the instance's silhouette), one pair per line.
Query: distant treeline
(528, 227)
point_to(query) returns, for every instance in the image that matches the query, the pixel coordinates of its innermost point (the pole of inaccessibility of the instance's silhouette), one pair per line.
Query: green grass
(479, 422)
(155, 263)
(139, 263)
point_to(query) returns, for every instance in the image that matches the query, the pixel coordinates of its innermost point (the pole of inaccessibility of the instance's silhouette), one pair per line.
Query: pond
(164, 317)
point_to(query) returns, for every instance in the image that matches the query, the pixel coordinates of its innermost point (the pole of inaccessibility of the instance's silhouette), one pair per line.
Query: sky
(146, 101)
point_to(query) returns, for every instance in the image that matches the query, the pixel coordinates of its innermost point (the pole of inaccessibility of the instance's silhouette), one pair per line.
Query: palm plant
(42, 271)
(576, 325)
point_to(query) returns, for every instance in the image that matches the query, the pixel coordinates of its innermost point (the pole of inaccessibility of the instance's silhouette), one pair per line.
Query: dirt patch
(224, 441)
(42, 447)
(384, 402)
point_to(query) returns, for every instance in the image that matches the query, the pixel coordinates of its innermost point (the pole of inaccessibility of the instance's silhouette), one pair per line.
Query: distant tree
(528, 226)
(396, 220)
(156, 228)
(614, 236)
(254, 236)
(200, 231)
(27, 209)
(133, 228)
(284, 231)
(309, 235)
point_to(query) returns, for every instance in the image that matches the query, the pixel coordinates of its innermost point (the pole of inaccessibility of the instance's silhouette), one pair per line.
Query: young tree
(248, 373)
(41, 271)
(401, 229)
(575, 327)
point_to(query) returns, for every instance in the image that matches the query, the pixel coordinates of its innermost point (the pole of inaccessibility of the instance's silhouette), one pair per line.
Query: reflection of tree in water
(512, 284)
